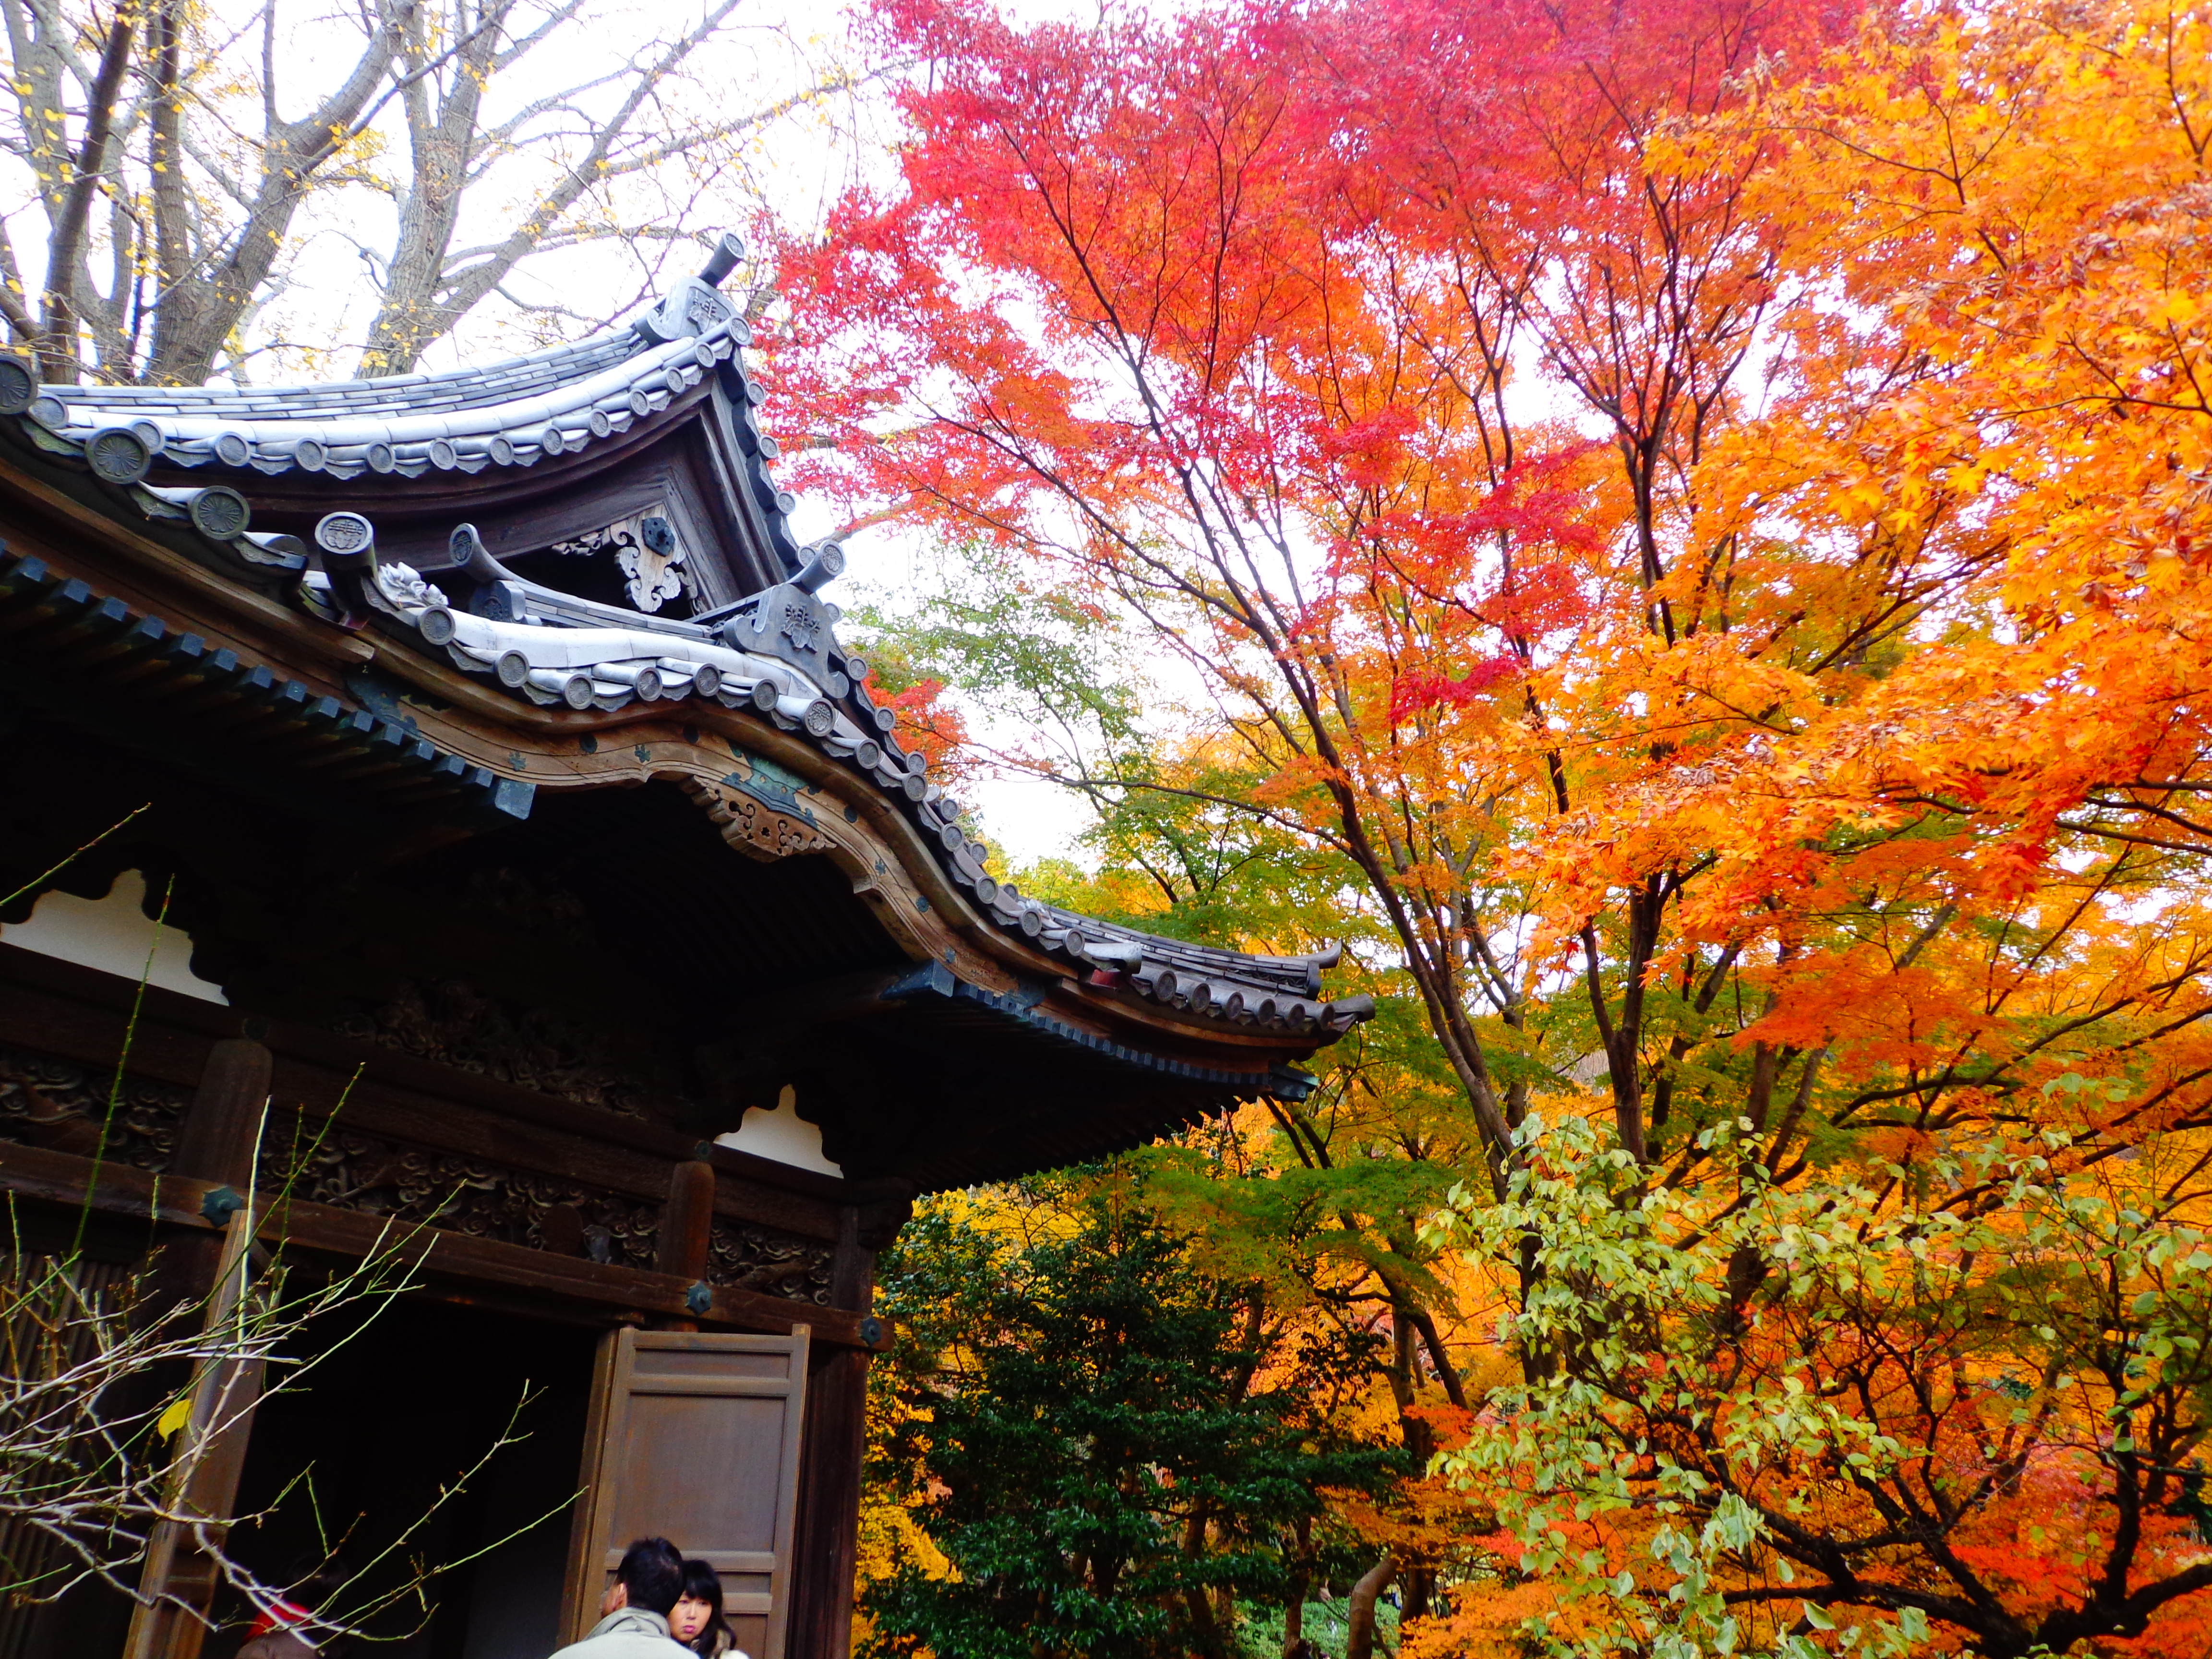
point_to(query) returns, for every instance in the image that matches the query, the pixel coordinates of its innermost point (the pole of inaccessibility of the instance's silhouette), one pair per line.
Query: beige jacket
(628, 1634)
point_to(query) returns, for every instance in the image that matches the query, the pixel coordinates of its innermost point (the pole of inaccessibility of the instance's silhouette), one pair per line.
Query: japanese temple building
(526, 876)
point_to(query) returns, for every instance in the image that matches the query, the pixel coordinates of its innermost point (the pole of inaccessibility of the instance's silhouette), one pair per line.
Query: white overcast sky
(799, 168)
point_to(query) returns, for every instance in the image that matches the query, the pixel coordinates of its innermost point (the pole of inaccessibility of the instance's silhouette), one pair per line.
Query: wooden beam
(824, 1002)
(431, 1250)
(80, 1014)
(63, 1178)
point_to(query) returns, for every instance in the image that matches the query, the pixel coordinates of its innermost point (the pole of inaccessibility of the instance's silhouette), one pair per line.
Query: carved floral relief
(646, 550)
(755, 828)
(324, 1163)
(58, 1103)
(453, 1023)
(752, 1258)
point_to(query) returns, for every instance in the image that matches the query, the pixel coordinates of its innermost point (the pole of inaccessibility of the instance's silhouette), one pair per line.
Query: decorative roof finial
(728, 250)
(826, 566)
(696, 304)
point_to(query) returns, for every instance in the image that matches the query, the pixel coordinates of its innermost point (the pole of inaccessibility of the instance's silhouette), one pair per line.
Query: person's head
(651, 1576)
(701, 1604)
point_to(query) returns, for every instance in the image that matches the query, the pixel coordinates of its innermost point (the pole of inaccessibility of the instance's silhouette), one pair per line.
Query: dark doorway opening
(412, 1396)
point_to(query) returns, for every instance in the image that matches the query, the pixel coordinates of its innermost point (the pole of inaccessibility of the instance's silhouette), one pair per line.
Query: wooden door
(694, 1439)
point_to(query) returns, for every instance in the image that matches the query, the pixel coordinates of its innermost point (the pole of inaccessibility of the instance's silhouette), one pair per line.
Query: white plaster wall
(114, 935)
(781, 1135)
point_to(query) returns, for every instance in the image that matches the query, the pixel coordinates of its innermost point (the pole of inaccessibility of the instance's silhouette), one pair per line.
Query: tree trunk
(196, 318)
(1294, 1597)
(1359, 1634)
(172, 252)
(1206, 1630)
(444, 135)
(58, 336)
(1420, 1590)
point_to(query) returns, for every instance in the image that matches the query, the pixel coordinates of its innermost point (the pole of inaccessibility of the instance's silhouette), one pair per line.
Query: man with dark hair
(633, 1621)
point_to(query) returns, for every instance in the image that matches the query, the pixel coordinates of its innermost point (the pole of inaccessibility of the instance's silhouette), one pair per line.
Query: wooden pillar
(215, 1142)
(216, 1139)
(213, 1458)
(687, 1227)
(827, 1541)
(208, 1271)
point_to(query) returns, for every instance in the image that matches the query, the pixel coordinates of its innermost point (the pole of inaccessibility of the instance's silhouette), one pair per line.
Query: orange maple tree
(1699, 504)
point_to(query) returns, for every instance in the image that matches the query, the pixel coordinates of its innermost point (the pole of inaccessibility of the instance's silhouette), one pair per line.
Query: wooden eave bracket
(72, 605)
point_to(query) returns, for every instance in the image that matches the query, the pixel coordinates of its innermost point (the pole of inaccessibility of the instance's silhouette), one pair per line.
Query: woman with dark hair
(698, 1620)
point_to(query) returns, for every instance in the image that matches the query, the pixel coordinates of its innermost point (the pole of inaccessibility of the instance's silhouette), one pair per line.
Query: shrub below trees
(1111, 1448)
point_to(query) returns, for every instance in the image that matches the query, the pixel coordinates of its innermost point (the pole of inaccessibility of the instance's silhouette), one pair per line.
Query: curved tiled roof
(506, 413)
(552, 649)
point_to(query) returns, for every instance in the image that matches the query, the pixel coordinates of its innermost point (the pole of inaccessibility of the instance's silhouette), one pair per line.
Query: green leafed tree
(1316, 1202)
(1111, 1449)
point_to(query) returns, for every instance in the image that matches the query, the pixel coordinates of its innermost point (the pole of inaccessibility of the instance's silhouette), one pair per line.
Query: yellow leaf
(179, 1413)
